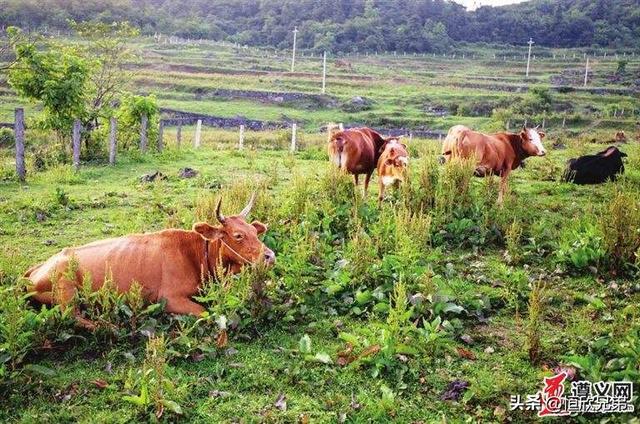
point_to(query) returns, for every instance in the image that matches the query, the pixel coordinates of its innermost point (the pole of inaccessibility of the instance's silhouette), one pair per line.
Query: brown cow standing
(356, 151)
(392, 165)
(169, 264)
(498, 153)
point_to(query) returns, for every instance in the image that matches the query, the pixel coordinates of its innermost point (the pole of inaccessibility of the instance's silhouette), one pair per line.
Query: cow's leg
(355, 179)
(183, 306)
(63, 293)
(380, 191)
(504, 185)
(367, 178)
(41, 291)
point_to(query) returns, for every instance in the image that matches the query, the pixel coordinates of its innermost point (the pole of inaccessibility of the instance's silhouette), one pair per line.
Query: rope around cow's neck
(222, 242)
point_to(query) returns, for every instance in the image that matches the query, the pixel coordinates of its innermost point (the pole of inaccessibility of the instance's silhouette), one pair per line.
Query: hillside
(352, 25)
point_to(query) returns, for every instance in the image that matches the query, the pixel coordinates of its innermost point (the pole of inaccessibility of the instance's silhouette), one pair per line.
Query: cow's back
(144, 258)
(593, 169)
(493, 153)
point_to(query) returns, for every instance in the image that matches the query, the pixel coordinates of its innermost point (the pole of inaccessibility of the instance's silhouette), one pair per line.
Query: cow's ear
(541, 134)
(524, 134)
(207, 231)
(381, 149)
(260, 227)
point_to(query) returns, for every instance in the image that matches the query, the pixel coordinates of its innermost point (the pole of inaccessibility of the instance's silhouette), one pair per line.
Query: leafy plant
(620, 224)
(581, 246)
(537, 299)
(151, 386)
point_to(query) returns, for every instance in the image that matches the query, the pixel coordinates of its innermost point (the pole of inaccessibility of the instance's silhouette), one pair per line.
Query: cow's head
(394, 152)
(532, 141)
(239, 243)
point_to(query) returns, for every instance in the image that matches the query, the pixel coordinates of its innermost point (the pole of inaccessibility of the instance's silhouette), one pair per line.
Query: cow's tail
(452, 141)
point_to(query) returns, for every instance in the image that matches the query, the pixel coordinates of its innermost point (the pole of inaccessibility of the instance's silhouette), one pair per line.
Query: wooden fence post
(160, 135)
(294, 130)
(113, 127)
(143, 133)
(179, 134)
(18, 133)
(77, 128)
(196, 140)
(241, 138)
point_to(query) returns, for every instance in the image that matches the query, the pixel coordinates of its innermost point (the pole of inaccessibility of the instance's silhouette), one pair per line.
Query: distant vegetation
(352, 25)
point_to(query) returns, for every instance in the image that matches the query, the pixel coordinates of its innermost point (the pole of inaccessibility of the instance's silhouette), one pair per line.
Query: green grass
(464, 259)
(110, 201)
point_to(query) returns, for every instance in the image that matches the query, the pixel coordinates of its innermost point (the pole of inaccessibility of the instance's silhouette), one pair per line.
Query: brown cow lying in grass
(499, 153)
(169, 264)
(392, 165)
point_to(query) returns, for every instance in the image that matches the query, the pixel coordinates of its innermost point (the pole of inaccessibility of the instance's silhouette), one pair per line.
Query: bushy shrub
(620, 226)
(6, 138)
(129, 116)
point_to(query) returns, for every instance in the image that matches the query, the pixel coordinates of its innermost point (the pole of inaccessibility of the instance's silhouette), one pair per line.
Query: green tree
(83, 81)
(58, 78)
(130, 117)
(108, 51)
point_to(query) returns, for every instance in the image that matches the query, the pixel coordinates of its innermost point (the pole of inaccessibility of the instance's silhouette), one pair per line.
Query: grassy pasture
(372, 312)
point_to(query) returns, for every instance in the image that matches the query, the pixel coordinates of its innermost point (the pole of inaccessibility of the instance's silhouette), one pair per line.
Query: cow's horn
(247, 209)
(219, 215)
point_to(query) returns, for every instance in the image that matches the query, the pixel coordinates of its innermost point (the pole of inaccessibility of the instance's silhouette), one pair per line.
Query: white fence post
(294, 130)
(77, 127)
(113, 125)
(18, 134)
(196, 140)
(241, 139)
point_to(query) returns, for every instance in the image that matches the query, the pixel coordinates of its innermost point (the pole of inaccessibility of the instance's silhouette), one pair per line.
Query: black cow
(595, 169)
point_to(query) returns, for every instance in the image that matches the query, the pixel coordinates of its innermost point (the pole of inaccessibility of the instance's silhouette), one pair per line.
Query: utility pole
(529, 56)
(293, 56)
(324, 72)
(586, 73)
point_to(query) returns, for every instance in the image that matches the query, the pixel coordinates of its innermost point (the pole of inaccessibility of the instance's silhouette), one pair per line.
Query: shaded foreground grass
(338, 270)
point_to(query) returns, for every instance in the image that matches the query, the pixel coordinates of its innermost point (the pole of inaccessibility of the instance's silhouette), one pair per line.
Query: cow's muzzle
(269, 257)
